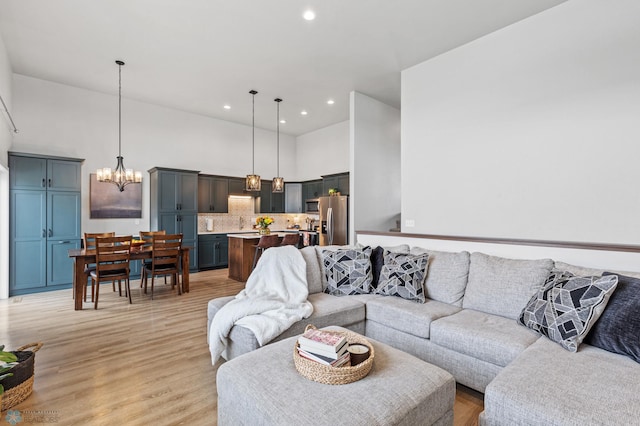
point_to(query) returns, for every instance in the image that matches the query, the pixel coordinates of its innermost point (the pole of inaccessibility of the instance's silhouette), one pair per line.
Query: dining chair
(112, 263)
(291, 239)
(165, 260)
(266, 241)
(147, 237)
(90, 244)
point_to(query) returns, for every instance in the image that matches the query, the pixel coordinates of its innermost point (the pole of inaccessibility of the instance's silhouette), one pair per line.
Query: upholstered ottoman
(263, 388)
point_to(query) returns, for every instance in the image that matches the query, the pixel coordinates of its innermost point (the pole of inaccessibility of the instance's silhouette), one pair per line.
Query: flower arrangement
(264, 221)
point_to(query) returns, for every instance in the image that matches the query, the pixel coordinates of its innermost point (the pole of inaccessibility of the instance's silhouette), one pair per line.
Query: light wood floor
(141, 364)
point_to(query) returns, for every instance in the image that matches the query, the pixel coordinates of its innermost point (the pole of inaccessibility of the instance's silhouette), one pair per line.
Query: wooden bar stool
(290, 240)
(266, 241)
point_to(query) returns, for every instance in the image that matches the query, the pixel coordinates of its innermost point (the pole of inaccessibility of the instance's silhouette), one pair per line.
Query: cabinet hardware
(64, 242)
(49, 183)
(50, 233)
(43, 182)
(44, 233)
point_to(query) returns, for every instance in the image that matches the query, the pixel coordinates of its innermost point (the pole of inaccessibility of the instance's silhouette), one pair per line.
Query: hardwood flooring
(142, 364)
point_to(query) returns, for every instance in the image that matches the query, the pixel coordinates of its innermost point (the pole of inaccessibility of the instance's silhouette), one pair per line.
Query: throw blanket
(274, 298)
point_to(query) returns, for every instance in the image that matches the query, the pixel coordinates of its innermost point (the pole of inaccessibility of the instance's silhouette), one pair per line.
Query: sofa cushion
(403, 275)
(566, 307)
(503, 286)
(348, 271)
(547, 385)
(407, 316)
(447, 275)
(618, 328)
(314, 269)
(487, 337)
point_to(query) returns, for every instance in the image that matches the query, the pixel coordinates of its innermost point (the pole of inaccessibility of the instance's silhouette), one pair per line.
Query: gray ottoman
(263, 388)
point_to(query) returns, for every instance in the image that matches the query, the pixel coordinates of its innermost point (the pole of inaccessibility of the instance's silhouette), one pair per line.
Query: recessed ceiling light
(309, 15)
(227, 107)
(303, 112)
(330, 101)
(283, 121)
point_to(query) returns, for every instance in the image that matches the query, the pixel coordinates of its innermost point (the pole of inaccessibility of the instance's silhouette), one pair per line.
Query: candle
(358, 353)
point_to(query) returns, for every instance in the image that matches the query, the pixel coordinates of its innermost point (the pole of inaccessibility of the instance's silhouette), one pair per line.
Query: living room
(521, 126)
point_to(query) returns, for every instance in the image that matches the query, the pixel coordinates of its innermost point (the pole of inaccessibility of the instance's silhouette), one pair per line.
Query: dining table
(82, 257)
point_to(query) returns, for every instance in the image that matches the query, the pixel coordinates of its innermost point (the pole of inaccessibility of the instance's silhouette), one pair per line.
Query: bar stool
(290, 240)
(266, 241)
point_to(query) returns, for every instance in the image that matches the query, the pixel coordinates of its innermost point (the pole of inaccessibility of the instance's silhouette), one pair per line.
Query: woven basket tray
(19, 386)
(334, 375)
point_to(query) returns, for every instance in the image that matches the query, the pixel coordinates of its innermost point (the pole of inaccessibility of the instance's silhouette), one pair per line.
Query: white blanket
(274, 298)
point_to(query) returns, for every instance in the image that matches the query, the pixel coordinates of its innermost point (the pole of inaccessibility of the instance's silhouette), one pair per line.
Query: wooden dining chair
(112, 263)
(89, 243)
(165, 260)
(147, 237)
(266, 241)
(291, 239)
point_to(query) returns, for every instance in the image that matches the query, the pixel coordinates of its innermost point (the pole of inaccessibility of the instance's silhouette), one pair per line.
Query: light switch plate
(409, 223)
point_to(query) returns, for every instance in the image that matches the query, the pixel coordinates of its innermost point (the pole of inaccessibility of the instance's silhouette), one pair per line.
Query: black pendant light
(253, 180)
(277, 185)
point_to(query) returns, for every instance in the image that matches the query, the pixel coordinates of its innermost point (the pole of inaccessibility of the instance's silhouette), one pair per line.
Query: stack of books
(324, 347)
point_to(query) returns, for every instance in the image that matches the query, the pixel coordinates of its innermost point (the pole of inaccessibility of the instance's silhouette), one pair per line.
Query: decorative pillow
(348, 271)
(618, 329)
(403, 275)
(566, 307)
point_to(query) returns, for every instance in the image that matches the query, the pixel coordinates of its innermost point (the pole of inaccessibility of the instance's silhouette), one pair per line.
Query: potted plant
(7, 361)
(17, 374)
(263, 223)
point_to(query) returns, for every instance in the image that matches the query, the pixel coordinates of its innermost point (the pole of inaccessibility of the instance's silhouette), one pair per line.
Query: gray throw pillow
(348, 271)
(618, 329)
(403, 275)
(566, 307)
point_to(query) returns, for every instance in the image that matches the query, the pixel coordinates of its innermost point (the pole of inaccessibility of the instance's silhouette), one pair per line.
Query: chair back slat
(90, 239)
(112, 257)
(147, 236)
(166, 251)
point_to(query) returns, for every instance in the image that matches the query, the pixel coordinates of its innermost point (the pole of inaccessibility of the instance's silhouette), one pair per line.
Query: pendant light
(253, 180)
(278, 182)
(121, 176)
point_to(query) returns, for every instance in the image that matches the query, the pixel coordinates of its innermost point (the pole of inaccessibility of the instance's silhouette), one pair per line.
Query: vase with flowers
(263, 223)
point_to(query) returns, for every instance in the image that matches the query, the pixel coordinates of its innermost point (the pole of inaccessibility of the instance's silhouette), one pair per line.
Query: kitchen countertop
(253, 235)
(244, 231)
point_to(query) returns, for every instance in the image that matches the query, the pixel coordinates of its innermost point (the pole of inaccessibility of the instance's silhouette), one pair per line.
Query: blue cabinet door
(27, 172)
(222, 252)
(188, 196)
(63, 215)
(167, 191)
(63, 175)
(28, 252)
(168, 222)
(206, 251)
(220, 195)
(59, 264)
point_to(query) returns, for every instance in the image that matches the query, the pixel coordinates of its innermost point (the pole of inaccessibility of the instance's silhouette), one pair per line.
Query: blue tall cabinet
(44, 223)
(174, 206)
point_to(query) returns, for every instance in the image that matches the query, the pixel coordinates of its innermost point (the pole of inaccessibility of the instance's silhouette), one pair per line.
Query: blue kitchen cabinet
(45, 222)
(213, 251)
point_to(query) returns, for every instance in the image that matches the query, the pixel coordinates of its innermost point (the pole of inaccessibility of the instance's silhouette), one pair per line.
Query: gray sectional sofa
(468, 327)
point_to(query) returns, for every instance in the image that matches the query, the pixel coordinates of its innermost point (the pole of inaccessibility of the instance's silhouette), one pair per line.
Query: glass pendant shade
(277, 185)
(121, 176)
(253, 183)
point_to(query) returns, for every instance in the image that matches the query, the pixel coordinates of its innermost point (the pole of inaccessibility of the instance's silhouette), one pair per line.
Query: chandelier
(121, 176)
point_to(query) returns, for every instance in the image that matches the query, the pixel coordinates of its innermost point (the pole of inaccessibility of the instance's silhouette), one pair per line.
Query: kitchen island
(242, 248)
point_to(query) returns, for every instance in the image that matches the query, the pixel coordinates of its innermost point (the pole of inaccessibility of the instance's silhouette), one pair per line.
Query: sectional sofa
(468, 326)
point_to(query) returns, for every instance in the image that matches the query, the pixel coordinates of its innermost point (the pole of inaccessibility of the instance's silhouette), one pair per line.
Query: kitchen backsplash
(241, 217)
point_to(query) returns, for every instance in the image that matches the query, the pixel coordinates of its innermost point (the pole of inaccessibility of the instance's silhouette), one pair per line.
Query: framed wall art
(107, 202)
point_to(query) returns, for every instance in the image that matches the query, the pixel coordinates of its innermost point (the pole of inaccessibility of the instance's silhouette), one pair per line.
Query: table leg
(185, 272)
(78, 274)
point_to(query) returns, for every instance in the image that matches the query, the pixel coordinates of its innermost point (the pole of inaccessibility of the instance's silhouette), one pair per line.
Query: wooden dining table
(82, 257)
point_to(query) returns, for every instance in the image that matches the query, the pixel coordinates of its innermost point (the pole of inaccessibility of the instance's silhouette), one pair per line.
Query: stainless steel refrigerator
(334, 220)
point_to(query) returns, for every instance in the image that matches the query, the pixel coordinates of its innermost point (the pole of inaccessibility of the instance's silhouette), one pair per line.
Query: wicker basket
(334, 375)
(19, 386)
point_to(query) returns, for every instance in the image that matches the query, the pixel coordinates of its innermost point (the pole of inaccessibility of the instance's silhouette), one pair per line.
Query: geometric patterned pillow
(403, 275)
(348, 271)
(566, 307)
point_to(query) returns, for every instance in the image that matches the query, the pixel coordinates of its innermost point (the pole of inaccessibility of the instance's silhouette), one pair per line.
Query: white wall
(323, 152)
(6, 135)
(530, 132)
(61, 120)
(375, 164)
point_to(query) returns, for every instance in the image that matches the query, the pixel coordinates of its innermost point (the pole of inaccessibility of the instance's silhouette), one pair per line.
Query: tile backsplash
(242, 216)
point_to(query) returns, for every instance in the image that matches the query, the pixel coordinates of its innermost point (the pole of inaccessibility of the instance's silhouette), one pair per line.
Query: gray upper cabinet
(37, 173)
(45, 221)
(213, 194)
(338, 181)
(293, 198)
(178, 191)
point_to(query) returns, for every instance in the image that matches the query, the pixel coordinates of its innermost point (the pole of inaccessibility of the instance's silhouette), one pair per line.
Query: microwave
(312, 206)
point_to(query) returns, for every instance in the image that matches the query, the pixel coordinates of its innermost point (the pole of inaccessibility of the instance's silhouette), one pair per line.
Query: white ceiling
(197, 55)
